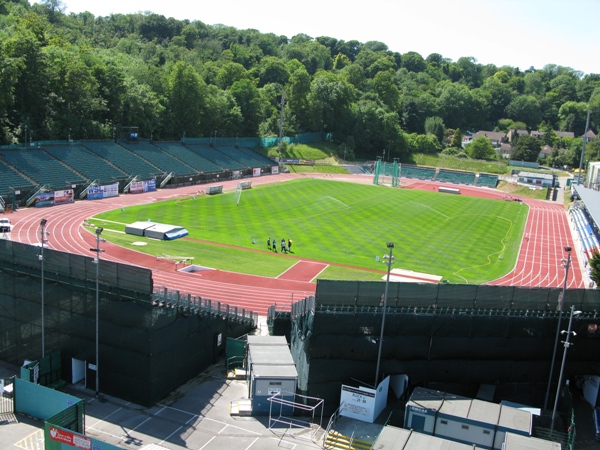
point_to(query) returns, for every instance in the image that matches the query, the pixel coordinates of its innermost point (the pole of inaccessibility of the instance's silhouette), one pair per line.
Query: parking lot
(195, 416)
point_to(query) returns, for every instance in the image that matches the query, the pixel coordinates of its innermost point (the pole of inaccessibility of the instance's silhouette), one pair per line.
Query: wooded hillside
(83, 77)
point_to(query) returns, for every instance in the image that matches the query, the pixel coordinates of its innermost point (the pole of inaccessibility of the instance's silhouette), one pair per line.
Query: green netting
(428, 295)
(71, 418)
(143, 335)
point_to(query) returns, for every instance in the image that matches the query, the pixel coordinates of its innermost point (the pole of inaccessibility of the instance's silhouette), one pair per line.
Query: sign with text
(363, 403)
(53, 198)
(137, 187)
(105, 191)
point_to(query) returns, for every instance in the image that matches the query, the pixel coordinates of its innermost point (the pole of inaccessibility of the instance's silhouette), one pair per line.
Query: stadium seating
(455, 177)
(262, 160)
(589, 240)
(422, 173)
(217, 157)
(191, 158)
(124, 159)
(89, 164)
(163, 160)
(487, 180)
(239, 156)
(9, 178)
(41, 167)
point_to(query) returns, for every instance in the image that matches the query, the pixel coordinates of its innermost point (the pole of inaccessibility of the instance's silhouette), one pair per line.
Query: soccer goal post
(238, 194)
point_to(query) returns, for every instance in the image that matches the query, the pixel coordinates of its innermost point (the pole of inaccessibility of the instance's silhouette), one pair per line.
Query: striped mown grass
(463, 239)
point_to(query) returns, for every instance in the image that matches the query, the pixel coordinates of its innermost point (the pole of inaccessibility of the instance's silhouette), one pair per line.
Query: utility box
(271, 371)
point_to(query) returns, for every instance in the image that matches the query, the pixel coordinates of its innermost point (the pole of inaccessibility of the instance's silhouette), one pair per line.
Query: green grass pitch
(463, 239)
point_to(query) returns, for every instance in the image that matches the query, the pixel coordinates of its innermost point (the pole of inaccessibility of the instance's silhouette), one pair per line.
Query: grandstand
(422, 173)
(124, 159)
(589, 239)
(10, 178)
(42, 168)
(243, 158)
(163, 160)
(487, 180)
(456, 177)
(192, 158)
(217, 157)
(262, 160)
(85, 162)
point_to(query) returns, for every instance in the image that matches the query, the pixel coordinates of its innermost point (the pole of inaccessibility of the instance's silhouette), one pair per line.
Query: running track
(539, 263)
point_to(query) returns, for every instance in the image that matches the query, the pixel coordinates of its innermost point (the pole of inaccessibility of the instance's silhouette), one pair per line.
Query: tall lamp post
(560, 309)
(562, 366)
(389, 262)
(43, 241)
(99, 231)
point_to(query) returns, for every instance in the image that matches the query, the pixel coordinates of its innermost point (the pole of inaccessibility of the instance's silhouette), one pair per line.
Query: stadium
(508, 324)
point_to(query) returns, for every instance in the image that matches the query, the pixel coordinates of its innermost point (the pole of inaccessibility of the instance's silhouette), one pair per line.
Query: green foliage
(435, 126)
(166, 76)
(421, 143)
(317, 168)
(481, 148)
(527, 148)
(321, 216)
(460, 161)
(594, 263)
(314, 151)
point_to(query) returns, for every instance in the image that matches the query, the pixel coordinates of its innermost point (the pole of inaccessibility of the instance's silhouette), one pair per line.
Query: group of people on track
(285, 246)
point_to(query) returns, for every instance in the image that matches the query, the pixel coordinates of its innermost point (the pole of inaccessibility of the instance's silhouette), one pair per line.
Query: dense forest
(83, 77)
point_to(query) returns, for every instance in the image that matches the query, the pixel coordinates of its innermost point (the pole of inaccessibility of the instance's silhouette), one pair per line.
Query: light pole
(567, 264)
(41, 258)
(99, 231)
(562, 366)
(389, 262)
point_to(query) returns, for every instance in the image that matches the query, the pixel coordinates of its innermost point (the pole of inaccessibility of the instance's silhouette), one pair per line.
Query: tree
(481, 148)
(229, 73)
(421, 143)
(185, 98)
(456, 139)
(247, 98)
(527, 148)
(594, 263)
(272, 70)
(386, 89)
(413, 62)
(435, 126)
(331, 99)
(525, 108)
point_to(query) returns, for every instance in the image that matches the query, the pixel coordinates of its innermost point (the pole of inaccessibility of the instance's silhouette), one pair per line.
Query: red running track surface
(539, 263)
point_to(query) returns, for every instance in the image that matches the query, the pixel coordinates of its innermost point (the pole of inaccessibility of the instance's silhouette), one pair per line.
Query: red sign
(69, 438)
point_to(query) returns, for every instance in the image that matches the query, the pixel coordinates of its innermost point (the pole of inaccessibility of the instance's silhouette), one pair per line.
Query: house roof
(542, 176)
(491, 135)
(565, 134)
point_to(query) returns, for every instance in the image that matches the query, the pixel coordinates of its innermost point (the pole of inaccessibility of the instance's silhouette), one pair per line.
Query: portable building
(271, 371)
(155, 230)
(462, 419)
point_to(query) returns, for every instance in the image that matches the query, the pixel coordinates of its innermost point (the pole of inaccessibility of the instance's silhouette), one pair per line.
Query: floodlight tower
(98, 251)
(389, 262)
(43, 241)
